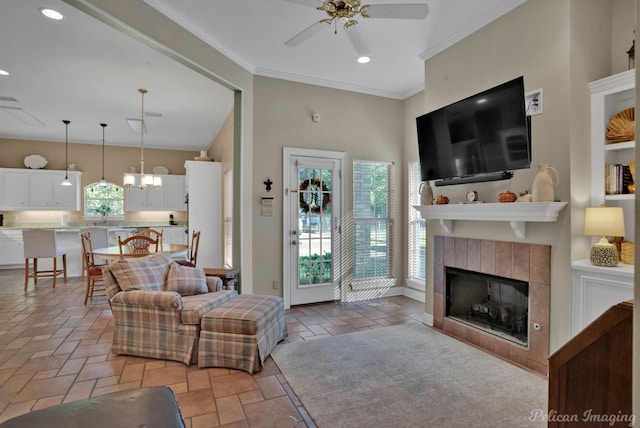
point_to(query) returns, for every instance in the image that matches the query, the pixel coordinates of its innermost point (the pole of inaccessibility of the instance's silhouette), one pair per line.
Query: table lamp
(604, 221)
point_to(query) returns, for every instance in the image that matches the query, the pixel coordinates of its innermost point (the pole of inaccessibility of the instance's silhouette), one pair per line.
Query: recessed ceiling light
(51, 14)
(363, 59)
(4, 73)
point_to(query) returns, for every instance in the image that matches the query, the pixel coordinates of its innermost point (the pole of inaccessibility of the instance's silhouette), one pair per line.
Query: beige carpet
(409, 376)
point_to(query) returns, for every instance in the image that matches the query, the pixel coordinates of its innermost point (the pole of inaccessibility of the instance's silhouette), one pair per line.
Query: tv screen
(480, 138)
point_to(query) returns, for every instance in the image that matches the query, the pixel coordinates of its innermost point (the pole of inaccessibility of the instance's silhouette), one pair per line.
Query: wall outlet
(276, 284)
(266, 211)
(533, 102)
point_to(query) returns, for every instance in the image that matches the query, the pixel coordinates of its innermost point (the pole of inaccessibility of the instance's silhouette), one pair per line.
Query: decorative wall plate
(35, 162)
(621, 127)
(161, 170)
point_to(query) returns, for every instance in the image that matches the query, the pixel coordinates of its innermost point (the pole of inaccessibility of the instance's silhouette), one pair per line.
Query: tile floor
(54, 350)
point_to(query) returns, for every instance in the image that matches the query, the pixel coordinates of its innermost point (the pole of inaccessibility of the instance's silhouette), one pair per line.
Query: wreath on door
(315, 207)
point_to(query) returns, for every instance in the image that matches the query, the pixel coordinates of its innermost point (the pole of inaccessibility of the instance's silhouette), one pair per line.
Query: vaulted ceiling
(83, 70)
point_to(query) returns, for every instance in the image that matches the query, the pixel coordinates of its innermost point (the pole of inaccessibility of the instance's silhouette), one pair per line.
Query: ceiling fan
(345, 12)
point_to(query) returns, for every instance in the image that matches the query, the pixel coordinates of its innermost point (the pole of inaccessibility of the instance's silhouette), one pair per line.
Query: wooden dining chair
(137, 246)
(99, 239)
(94, 271)
(152, 233)
(193, 251)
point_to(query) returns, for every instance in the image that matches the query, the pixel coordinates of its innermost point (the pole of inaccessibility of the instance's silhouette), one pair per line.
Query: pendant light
(147, 181)
(103, 182)
(66, 181)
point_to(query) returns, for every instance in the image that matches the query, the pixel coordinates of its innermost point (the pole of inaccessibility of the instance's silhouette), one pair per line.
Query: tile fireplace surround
(521, 261)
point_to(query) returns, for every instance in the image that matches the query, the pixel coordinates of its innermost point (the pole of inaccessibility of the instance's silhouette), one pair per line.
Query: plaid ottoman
(241, 332)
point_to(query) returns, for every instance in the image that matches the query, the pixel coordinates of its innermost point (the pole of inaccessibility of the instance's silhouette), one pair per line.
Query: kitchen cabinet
(204, 186)
(25, 189)
(176, 190)
(174, 235)
(11, 248)
(168, 197)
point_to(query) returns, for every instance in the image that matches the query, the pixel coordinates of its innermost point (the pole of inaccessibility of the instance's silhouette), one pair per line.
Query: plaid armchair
(157, 306)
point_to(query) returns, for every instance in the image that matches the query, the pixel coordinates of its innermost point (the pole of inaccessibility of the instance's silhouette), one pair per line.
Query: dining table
(113, 252)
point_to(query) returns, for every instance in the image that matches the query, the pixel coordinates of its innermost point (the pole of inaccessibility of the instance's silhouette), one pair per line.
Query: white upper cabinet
(168, 197)
(25, 189)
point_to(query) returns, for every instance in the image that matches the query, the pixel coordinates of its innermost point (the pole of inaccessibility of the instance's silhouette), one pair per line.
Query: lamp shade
(604, 221)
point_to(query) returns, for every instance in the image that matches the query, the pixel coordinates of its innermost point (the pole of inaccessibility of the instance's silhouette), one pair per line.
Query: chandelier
(147, 181)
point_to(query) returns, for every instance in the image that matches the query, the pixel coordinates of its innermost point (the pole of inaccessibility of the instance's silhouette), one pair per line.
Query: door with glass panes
(314, 230)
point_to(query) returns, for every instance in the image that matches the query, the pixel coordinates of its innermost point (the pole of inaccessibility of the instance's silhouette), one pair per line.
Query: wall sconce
(632, 55)
(604, 221)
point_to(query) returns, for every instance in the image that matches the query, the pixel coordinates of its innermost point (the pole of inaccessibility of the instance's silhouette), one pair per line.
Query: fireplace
(501, 304)
(496, 305)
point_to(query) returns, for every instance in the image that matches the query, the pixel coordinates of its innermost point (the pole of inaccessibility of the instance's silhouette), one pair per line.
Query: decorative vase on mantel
(426, 193)
(543, 184)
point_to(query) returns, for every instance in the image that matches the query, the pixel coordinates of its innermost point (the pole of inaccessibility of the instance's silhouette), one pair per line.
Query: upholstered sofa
(157, 306)
(154, 406)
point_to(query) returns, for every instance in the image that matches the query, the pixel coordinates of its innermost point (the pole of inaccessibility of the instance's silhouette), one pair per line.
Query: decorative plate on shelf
(622, 127)
(35, 162)
(160, 170)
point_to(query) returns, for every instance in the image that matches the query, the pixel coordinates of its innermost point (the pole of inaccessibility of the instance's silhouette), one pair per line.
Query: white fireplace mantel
(516, 213)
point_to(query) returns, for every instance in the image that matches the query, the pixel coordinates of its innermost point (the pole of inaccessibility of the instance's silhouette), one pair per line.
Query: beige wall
(366, 127)
(560, 61)
(222, 148)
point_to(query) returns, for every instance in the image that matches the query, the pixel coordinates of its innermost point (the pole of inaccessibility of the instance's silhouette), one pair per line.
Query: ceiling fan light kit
(345, 12)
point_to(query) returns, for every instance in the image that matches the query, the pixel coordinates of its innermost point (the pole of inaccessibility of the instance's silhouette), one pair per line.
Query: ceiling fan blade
(306, 34)
(398, 11)
(308, 3)
(359, 40)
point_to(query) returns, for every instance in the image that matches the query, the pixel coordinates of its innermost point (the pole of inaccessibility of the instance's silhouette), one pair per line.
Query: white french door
(312, 226)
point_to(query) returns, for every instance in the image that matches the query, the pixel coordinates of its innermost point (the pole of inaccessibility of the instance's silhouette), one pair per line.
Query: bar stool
(40, 244)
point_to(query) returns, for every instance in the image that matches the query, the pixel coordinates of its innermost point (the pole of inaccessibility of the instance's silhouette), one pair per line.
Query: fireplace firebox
(494, 304)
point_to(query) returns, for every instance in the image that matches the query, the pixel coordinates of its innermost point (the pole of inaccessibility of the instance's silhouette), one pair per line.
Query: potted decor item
(543, 184)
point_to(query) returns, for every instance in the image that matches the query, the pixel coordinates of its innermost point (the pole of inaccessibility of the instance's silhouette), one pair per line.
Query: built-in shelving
(517, 213)
(610, 96)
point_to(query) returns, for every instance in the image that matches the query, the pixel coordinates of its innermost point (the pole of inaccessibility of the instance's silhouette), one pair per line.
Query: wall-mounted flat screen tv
(480, 138)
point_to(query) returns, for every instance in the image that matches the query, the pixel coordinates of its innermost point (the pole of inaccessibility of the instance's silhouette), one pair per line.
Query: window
(227, 255)
(103, 201)
(372, 224)
(417, 226)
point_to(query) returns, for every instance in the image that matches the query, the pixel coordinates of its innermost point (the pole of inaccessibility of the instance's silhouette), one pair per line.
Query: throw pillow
(144, 273)
(186, 280)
